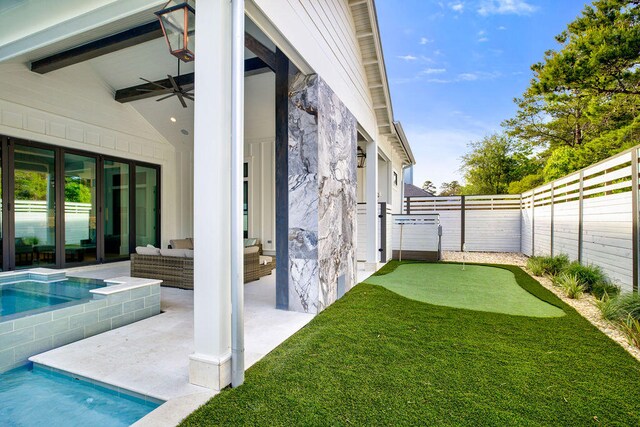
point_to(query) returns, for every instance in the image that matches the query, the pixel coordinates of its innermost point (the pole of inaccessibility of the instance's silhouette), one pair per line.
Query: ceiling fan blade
(188, 96)
(174, 84)
(165, 97)
(179, 95)
(154, 83)
(147, 90)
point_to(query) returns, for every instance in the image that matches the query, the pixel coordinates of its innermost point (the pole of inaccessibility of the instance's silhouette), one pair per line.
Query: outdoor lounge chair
(177, 271)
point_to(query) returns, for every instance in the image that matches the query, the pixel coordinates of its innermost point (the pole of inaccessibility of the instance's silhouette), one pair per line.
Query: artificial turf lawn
(477, 287)
(377, 358)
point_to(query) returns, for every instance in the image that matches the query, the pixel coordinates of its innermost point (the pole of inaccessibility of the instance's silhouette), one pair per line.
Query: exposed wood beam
(260, 50)
(94, 49)
(252, 66)
(128, 38)
(148, 90)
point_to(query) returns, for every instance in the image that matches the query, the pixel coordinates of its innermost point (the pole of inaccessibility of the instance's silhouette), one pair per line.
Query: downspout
(237, 160)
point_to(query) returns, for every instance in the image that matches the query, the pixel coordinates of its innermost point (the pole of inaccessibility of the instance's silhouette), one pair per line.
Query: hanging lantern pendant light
(178, 22)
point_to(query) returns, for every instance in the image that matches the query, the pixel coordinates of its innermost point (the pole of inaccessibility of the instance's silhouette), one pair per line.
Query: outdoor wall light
(362, 157)
(178, 21)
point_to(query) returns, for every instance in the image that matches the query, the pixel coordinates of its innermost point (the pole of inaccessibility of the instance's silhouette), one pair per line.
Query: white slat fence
(590, 215)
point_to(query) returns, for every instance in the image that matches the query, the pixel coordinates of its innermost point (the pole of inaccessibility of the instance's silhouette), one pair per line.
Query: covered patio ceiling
(122, 70)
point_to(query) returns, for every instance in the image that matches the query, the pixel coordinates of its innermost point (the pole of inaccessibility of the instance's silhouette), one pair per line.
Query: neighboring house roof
(366, 26)
(411, 190)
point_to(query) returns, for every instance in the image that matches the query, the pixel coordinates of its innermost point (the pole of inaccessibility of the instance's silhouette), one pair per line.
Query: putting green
(475, 288)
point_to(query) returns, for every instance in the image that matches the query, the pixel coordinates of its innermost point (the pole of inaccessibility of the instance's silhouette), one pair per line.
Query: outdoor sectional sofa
(174, 266)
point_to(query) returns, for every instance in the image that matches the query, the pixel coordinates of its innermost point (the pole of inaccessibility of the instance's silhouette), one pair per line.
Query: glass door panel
(34, 206)
(146, 206)
(80, 201)
(116, 209)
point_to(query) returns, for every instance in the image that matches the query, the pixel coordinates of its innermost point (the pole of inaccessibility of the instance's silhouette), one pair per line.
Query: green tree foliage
(599, 52)
(429, 186)
(583, 104)
(31, 185)
(493, 163)
(76, 191)
(452, 188)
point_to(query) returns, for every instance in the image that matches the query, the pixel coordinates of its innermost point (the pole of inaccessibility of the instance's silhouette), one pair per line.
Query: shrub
(570, 285)
(548, 265)
(631, 328)
(588, 275)
(629, 304)
(534, 264)
(553, 265)
(609, 308)
(602, 290)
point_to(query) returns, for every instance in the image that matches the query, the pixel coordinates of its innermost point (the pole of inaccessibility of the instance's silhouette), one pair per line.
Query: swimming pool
(31, 297)
(39, 397)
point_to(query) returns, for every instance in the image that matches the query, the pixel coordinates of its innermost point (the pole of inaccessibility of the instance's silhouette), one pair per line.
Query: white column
(210, 364)
(371, 197)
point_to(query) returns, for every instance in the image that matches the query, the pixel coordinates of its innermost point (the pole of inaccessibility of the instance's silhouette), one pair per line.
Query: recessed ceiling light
(173, 119)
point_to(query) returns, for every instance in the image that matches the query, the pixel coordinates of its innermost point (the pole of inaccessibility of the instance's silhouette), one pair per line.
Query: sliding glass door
(34, 206)
(80, 209)
(146, 206)
(61, 207)
(116, 209)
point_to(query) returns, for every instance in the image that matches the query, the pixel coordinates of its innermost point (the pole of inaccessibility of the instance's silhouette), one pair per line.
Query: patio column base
(210, 372)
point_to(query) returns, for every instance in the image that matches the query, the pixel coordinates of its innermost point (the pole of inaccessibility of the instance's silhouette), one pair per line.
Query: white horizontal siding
(607, 236)
(492, 230)
(526, 231)
(415, 237)
(566, 222)
(542, 230)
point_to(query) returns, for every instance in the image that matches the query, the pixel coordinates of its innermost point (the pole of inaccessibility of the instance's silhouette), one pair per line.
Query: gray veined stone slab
(322, 194)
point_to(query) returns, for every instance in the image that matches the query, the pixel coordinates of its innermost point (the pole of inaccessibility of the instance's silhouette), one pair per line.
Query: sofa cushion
(145, 250)
(250, 242)
(180, 253)
(251, 250)
(181, 244)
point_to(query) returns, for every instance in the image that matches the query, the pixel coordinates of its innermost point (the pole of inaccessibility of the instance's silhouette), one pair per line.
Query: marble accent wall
(322, 194)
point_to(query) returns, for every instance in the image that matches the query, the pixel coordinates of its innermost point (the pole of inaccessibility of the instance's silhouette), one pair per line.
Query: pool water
(38, 397)
(30, 297)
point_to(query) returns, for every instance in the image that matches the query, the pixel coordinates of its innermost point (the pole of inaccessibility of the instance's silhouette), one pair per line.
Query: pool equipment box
(417, 237)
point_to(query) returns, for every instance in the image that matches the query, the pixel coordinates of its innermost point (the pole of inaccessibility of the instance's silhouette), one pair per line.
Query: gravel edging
(586, 305)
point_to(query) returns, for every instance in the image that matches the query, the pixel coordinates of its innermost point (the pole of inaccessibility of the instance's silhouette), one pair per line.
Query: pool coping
(118, 391)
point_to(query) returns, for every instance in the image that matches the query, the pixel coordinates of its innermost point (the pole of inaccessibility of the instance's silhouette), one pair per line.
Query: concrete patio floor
(151, 357)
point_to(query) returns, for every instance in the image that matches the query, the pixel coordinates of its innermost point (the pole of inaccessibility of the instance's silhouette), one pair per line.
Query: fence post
(580, 216)
(462, 222)
(533, 222)
(408, 209)
(634, 210)
(383, 231)
(551, 225)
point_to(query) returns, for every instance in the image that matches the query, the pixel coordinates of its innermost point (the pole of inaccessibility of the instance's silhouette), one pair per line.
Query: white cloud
(408, 57)
(483, 39)
(478, 75)
(506, 7)
(424, 40)
(457, 7)
(434, 71)
(482, 32)
(468, 77)
(502, 28)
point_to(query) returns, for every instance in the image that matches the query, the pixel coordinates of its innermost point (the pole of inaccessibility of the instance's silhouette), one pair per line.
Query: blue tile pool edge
(105, 387)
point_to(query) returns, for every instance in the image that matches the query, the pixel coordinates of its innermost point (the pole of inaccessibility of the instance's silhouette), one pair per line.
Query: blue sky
(454, 68)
